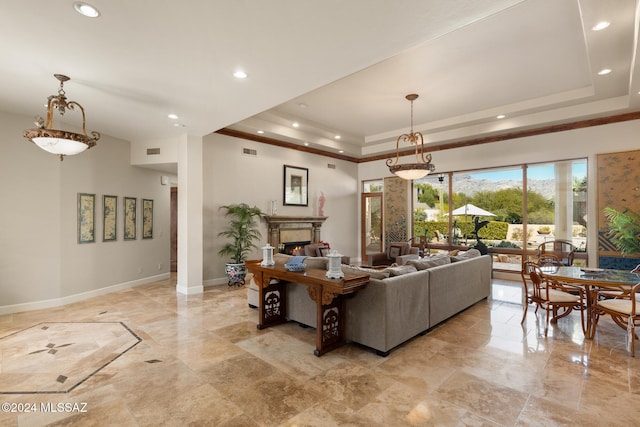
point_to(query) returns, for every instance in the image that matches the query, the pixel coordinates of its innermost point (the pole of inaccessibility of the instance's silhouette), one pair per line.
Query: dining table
(593, 280)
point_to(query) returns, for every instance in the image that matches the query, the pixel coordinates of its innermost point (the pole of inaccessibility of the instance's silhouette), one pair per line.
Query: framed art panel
(296, 181)
(147, 219)
(109, 218)
(86, 218)
(130, 218)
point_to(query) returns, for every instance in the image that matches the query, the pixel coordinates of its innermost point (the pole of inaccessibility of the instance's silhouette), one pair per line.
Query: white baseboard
(57, 302)
(218, 281)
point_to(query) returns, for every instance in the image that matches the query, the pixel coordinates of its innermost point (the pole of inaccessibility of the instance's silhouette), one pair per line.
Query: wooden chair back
(563, 250)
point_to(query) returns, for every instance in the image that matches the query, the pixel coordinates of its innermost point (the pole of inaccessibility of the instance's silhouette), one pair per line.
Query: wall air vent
(249, 152)
(152, 151)
(331, 166)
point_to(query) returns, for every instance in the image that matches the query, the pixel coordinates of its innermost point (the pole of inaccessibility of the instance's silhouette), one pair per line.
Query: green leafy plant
(243, 231)
(624, 229)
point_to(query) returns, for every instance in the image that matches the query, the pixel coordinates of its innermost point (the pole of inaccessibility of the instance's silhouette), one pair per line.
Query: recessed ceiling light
(604, 71)
(337, 137)
(500, 116)
(600, 26)
(295, 124)
(260, 132)
(86, 9)
(341, 151)
(306, 144)
(173, 116)
(240, 74)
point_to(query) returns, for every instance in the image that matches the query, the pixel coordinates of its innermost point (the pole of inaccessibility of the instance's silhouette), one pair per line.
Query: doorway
(174, 229)
(371, 225)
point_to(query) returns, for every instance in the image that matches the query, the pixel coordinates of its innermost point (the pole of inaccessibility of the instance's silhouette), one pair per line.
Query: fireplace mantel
(279, 223)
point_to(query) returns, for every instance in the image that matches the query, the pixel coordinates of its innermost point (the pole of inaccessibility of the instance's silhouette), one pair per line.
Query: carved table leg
(329, 320)
(272, 301)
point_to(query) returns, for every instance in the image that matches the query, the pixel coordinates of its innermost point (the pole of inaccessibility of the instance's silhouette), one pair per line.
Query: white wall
(579, 143)
(42, 264)
(232, 177)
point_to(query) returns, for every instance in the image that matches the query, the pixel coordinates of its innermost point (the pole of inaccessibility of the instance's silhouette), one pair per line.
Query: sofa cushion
(400, 270)
(316, 262)
(428, 262)
(281, 259)
(471, 253)
(373, 273)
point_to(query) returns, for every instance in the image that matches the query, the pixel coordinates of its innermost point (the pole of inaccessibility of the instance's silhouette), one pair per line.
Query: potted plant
(624, 229)
(243, 234)
(545, 229)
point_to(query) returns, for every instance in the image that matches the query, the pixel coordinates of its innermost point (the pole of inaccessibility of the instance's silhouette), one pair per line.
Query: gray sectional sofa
(402, 302)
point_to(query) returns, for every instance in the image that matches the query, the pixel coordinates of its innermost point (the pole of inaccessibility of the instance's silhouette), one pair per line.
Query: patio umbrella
(471, 210)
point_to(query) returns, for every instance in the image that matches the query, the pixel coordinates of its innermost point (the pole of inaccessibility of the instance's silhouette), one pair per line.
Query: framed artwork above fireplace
(295, 188)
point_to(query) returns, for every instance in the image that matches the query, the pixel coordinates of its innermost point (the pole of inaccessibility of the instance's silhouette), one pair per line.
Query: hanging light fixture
(60, 142)
(423, 165)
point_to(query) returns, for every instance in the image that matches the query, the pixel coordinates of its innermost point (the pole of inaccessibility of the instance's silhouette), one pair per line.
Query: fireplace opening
(290, 248)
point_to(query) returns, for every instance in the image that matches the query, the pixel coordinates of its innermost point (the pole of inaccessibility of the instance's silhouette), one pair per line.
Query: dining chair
(558, 299)
(624, 309)
(548, 259)
(564, 250)
(528, 293)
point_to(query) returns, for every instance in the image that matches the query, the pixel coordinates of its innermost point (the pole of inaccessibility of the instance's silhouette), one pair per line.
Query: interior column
(190, 216)
(564, 201)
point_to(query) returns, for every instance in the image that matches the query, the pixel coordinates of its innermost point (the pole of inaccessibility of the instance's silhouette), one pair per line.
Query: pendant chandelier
(60, 142)
(423, 166)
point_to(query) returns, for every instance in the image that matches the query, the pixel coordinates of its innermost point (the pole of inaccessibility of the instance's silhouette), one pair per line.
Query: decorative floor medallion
(54, 357)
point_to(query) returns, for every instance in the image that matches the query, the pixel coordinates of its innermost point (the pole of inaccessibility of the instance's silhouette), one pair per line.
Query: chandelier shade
(60, 142)
(423, 166)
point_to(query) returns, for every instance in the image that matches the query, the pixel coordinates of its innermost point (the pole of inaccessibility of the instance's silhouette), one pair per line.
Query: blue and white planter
(235, 274)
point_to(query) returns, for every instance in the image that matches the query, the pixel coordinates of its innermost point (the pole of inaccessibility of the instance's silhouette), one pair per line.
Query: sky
(545, 171)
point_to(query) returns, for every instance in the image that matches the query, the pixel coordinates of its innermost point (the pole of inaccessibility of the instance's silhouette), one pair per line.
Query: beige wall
(42, 264)
(232, 177)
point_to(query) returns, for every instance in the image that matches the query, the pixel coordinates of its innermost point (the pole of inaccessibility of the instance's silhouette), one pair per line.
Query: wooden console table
(327, 294)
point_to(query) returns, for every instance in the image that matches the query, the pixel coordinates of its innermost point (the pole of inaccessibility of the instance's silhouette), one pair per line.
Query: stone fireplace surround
(293, 228)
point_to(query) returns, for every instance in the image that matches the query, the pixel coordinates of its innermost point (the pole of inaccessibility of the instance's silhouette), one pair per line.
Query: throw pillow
(323, 251)
(395, 250)
(373, 273)
(400, 270)
(432, 261)
(471, 253)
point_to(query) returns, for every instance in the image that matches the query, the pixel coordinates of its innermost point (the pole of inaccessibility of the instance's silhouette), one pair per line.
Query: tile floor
(201, 361)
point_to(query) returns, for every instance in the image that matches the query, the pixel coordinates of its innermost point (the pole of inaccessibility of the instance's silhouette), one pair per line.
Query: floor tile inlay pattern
(201, 361)
(56, 357)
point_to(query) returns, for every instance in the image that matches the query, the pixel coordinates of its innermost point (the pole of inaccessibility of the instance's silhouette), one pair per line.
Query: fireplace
(293, 229)
(290, 247)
